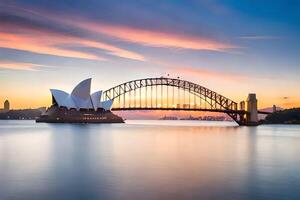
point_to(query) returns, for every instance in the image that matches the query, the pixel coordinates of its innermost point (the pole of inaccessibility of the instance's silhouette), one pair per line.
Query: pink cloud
(49, 43)
(19, 65)
(38, 45)
(154, 38)
(113, 50)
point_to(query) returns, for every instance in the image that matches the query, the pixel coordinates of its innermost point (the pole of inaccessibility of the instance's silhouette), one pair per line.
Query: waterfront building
(80, 98)
(79, 107)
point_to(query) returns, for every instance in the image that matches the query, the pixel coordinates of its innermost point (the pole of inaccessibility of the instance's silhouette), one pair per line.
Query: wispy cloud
(24, 66)
(154, 38)
(259, 37)
(42, 35)
(46, 33)
(113, 50)
(143, 36)
(40, 45)
(51, 44)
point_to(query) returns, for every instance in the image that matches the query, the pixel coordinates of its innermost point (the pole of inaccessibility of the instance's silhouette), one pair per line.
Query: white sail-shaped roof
(62, 98)
(106, 105)
(81, 94)
(95, 97)
(80, 97)
(82, 103)
(83, 89)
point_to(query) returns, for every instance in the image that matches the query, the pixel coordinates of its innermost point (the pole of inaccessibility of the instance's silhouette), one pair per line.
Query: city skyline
(232, 48)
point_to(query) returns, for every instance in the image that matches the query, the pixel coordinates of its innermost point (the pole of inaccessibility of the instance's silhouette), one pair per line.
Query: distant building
(168, 118)
(5, 108)
(6, 105)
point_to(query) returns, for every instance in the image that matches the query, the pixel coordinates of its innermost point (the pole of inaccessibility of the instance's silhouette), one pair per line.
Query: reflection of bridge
(175, 94)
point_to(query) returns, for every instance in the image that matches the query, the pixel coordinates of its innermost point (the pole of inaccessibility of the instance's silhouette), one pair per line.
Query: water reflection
(148, 160)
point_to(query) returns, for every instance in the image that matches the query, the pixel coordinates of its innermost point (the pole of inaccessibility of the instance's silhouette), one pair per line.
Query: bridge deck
(264, 112)
(182, 109)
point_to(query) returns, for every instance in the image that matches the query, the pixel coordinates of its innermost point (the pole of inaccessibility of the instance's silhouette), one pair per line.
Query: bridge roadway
(190, 109)
(182, 109)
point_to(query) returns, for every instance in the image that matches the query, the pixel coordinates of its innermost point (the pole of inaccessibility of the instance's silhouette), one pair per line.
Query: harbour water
(148, 160)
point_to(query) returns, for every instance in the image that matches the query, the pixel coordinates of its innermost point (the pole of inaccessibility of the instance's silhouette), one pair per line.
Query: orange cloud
(46, 43)
(19, 66)
(154, 38)
(113, 50)
(31, 40)
(38, 45)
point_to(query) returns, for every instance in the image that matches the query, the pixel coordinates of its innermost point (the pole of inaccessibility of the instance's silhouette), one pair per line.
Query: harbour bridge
(175, 94)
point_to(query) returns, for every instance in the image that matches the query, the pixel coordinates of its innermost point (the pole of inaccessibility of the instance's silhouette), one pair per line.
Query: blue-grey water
(148, 160)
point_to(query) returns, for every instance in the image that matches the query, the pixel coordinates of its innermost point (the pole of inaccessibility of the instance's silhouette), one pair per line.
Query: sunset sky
(232, 47)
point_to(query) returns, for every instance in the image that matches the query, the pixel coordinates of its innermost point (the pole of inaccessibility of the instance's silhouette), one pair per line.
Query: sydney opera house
(79, 107)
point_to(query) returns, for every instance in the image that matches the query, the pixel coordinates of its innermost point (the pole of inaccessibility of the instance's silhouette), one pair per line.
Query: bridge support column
(242, 117)
(252, 116)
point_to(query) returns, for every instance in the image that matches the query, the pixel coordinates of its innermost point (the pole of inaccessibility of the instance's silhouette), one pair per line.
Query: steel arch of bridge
(217, 102)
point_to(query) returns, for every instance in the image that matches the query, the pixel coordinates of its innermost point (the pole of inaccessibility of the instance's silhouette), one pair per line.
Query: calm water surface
(148, 160)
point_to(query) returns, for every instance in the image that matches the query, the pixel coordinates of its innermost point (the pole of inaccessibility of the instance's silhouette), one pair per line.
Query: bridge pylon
(252, 111)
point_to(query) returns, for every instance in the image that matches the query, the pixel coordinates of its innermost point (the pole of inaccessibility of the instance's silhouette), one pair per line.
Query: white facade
(80, 98)
(95, 99)
(106, 104)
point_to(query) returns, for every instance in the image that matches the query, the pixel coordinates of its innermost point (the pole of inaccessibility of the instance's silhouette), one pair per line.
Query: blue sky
(232, 47)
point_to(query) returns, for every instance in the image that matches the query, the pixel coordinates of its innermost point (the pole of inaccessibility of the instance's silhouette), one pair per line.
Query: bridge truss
(170, 94)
